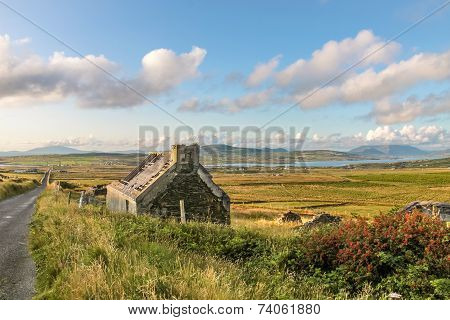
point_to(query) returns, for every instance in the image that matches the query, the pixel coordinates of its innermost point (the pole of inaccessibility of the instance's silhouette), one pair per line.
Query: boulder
(99, 190)
(395, 296)
(438, 209)
(291, 217)
(321, 219)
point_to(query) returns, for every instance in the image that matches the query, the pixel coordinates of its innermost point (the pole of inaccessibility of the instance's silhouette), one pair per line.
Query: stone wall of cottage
(199, 202)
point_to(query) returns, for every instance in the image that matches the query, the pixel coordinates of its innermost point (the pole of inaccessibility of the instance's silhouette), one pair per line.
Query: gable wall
(200, 203)
(116, 201)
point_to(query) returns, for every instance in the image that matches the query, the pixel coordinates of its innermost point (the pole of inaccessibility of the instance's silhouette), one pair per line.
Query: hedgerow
(404, 253)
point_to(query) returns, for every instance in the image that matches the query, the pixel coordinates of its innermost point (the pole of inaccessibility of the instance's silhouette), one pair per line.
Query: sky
(225, 66)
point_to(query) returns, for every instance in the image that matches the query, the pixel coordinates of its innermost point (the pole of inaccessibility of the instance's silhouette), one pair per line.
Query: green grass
(259, 198)
(338, 191)
(91, 254)
(10, 187)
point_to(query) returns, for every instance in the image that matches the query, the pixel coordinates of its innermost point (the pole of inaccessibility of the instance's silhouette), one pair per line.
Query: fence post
(81, 200)
(69, 197)
(182, 212)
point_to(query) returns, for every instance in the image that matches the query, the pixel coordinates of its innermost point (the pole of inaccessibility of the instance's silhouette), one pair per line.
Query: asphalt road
(17, 271)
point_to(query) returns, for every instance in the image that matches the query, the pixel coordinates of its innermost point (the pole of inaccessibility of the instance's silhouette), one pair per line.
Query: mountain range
(221, 150)
(392, 150)
(58, 150)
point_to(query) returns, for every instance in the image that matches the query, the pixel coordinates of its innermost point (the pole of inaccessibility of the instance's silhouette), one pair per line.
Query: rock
(439, 209)
(321, 219)
(394, 296)
(99, 190)
(291, 217)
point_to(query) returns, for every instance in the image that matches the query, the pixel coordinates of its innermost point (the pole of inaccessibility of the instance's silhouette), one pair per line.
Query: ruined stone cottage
(163, 182)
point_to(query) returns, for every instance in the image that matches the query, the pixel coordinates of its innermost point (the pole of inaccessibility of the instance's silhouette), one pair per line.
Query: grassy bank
(91, 254)
(11, 186)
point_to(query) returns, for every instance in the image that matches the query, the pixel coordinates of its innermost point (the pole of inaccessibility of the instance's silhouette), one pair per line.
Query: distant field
(72, 160)
(338, 191)
(258, 197)
(341, 191)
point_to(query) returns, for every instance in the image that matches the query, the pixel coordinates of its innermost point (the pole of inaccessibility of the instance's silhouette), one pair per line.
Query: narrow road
(17, 271)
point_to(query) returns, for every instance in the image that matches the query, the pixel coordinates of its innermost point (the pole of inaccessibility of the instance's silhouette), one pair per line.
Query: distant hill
(391, 150)
(227, 149)
(223, 154)
(441, 153)
(61, 150)
(58, 150)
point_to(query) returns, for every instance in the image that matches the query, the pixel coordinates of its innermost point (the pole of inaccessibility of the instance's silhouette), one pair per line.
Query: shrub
(441, 288)
(395, 252)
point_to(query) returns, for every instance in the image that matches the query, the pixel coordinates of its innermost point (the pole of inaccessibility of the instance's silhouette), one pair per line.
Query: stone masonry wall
(200, 204)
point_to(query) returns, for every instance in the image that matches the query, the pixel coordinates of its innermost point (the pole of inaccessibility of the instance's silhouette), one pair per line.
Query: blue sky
(212, 83)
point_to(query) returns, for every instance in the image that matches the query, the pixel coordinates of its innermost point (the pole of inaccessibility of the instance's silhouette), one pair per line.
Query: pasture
(258, 257)
(259, 197)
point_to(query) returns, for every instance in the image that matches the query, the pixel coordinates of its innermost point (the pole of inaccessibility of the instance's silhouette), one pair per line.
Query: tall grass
(91, 254)
(14, 187)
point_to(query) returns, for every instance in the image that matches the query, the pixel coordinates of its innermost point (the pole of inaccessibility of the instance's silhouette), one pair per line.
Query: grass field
(90, 253)
(259, 198)
(344, 192)
(13, 184)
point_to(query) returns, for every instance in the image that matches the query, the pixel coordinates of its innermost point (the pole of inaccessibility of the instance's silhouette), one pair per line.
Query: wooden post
(182, 212)
(69, 198)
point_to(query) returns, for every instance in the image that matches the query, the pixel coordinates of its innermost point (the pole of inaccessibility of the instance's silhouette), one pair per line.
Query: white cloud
(384, 134)
(190, 105)
(425, 136)
(247, 101)
(163, 69)
(334, 57)
(75, 142)
(297, 79)
(262, 72)
(29, 78)
(92, 143)
(334, 141)
(389, 112)
(371, 85)
(428, 137)
(408, 134)
(22, 41)
(377, 80)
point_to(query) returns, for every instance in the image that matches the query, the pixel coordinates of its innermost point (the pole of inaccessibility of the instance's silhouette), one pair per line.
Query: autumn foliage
(406, 253)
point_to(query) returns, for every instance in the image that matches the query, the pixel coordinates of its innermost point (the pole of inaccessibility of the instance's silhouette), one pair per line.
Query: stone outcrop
(321, 219)
(438, 209)
(291, 217)
(98, 190)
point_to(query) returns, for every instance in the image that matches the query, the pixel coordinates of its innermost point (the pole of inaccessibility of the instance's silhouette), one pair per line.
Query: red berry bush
(404, 253)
